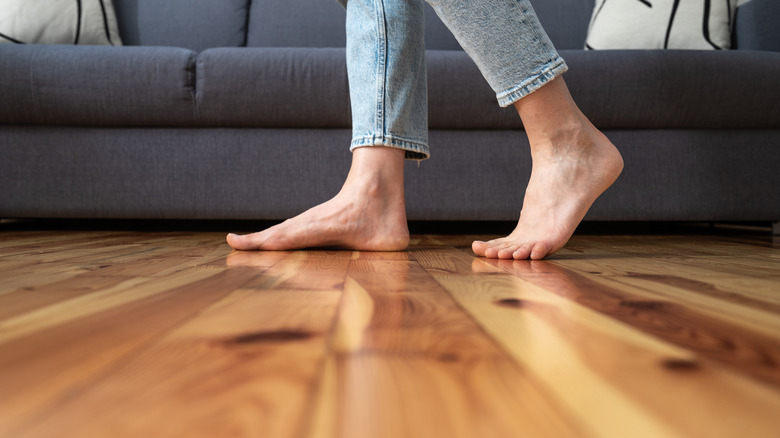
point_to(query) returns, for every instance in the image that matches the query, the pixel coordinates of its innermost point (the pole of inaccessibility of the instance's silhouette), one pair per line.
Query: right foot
(562, 188)
(368, 213)
(573, 163)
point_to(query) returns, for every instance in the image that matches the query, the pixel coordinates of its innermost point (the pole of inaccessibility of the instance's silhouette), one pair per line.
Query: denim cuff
(552, 70)
(415, 150)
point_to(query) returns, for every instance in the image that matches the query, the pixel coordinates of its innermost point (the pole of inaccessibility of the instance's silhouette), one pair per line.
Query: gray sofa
(234, 109)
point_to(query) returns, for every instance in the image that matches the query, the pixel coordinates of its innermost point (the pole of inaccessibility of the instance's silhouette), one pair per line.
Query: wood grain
(408, 362)
(169, 334)
(585, 358)
(669, 310)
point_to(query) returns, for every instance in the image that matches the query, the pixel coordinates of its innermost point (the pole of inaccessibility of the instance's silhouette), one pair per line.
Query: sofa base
(246, 173)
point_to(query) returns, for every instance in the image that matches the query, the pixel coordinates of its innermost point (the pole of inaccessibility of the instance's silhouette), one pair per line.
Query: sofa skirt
(253, 173)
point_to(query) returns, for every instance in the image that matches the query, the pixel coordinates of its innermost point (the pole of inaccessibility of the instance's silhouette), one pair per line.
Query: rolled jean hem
(554, 68)
(414, 150)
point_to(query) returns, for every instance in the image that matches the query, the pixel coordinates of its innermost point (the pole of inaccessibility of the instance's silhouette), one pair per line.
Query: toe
(244, 243)
(540, 251)
(505, 249)
(491, 253)
(506, 252)
(522, 253)
(234, 240)
(489, 249)
(479, 247)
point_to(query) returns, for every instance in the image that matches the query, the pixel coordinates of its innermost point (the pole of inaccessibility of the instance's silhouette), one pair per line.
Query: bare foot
(573, 163)
(559, 193)
(368, 213)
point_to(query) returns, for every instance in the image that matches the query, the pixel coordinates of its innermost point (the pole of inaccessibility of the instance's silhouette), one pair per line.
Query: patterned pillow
(661, 24)
(90, 22)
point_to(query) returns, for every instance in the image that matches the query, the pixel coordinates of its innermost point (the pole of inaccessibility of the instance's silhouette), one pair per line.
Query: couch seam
(192, 70)
(247, 17)
(33, 85)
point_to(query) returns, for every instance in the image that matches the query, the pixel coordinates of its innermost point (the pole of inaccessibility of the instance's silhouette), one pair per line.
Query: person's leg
(387, 79)
(388, 83)
(573, 163)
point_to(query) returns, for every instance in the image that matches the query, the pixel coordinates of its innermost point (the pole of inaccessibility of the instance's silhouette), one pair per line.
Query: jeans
(386, 62)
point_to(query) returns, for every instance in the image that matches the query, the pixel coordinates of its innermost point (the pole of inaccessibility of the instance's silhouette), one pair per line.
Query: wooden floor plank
(10, 241)
(756, 306)
(44, 250)
(756, 353)
(301, 270)
(42, 360)
(170, 333)
(245, 367)
(697, 251)
(709, 277)
(31, 298)
(576, 353)
(396, 354)
(26, 278)
(389, 396)
(128, 291)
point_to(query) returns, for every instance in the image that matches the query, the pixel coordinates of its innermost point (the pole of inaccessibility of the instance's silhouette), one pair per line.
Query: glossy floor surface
(170, 334)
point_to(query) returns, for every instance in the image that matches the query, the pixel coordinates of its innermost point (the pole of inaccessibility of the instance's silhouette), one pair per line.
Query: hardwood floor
(170, 334)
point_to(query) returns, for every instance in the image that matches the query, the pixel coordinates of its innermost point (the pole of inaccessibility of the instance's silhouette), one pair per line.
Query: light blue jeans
(386, 62)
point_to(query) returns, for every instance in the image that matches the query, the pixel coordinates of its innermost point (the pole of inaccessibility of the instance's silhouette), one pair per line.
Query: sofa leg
(776, 228)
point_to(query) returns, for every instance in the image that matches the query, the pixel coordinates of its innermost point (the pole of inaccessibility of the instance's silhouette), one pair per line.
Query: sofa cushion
(58, 22)
(757, 27)
(626, 89)
(664, 24)
(274, 23)
(676, 88)
(273, 87)
(96, 85)
(191, 24)
(565, 21)
(308, 88)
(616, 89)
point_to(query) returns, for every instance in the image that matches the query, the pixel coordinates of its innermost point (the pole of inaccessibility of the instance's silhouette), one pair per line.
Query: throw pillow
(90, 22)
(661, 24)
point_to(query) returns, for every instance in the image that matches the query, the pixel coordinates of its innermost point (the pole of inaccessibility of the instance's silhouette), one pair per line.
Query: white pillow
(661, 24)
(58, 22)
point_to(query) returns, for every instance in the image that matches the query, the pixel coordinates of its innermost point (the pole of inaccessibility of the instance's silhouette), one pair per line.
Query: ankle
(376, 172)
(377, 160)
(566, 138)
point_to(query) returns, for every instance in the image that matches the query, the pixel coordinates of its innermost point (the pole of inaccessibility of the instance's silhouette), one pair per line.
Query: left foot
(369, 213)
